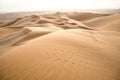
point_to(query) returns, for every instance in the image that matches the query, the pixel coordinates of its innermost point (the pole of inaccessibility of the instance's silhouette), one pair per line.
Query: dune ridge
(61, 46)
(111, 22)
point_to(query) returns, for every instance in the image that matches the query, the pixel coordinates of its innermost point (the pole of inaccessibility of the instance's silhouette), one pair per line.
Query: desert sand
(60, 46)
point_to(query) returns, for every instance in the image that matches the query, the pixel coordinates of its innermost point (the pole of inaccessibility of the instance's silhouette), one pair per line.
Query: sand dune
(7, 31)
(58, 56)
(105, 23)
(60, 47)
(21, 22)
(85, 16)
(24, 35)
(61, 21)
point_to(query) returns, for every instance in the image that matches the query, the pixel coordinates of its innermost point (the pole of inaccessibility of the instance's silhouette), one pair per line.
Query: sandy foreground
(60, 46)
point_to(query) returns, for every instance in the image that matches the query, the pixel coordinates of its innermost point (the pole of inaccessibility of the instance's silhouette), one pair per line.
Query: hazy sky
(49, 5)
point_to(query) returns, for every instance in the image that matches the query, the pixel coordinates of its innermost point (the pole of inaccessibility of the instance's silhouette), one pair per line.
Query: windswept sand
(59, 47)
(111, 23)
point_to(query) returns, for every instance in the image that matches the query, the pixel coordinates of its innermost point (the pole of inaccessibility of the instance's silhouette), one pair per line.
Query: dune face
(85, 16)
(110, 23)
(60, 47)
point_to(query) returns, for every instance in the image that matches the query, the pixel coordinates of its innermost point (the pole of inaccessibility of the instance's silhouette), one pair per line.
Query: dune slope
(64, 55)
(111, 23)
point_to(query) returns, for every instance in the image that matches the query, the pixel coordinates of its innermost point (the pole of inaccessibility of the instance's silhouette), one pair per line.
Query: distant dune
(85, 16)
(105, 23)
(60, 46)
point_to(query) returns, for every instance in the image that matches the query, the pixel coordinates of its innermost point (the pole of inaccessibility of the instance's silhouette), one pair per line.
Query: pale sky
(52, 5)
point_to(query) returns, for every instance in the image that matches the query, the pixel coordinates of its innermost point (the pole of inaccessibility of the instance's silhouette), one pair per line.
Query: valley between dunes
(60, 46)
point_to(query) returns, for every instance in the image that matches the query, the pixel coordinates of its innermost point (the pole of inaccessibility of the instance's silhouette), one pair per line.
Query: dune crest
(111, 23)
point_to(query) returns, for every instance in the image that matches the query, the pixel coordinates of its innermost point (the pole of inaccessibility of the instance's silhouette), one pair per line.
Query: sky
(56, 5)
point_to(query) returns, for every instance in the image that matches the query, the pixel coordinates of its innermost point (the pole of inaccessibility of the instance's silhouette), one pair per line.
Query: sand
(111, 22)
(59, 47)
